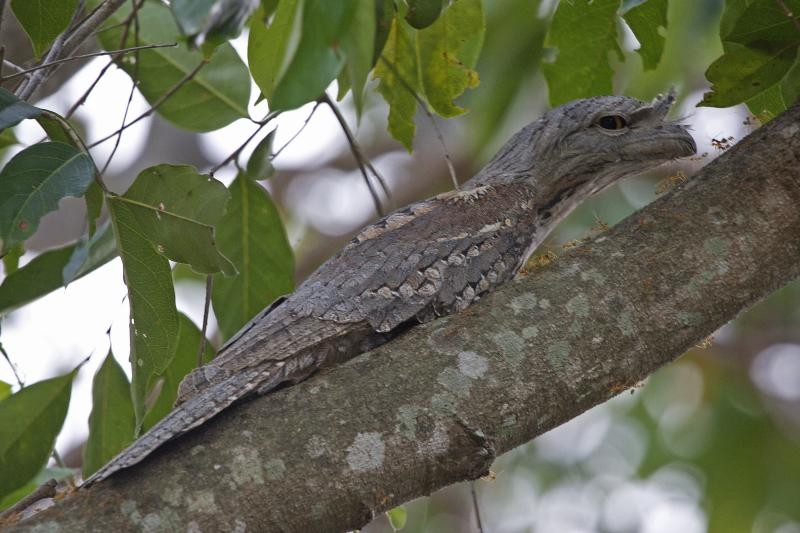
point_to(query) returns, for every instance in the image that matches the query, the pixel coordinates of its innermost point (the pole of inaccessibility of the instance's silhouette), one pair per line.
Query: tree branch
(437, 405)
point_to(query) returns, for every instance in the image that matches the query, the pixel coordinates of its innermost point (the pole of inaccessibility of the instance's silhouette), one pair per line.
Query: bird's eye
(612, 122)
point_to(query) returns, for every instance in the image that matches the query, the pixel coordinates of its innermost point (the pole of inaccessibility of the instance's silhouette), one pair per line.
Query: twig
(13, 367)
(206, 307)
(298, 132)
(84, 56)
(361, 160)
(156, 104)
(135, 14)
(235, 153)
(2, 10)
(88, 25)
(46, 490)
(430, 116)
(9, 64)
(788, 13)
(475, 506)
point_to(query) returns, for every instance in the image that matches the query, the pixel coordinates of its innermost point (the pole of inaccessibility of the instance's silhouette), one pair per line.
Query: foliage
(423, 53)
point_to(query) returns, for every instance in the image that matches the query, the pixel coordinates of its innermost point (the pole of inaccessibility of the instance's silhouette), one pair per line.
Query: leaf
(185, 361)
(358, 45)
(111, 422)
(397, 517)
(251, 234)
(216, 96)
(742, 72)
(444, 76)
(43, 20)
(34, 181)
(259, 166)
(5, 390)
(55, 268)
(582, 67)
(645, 20)
(13, 110)
(384, 15)
(42, 477)
(270, 48)
(423, 13)
(154, 318)
(7, 138)
(399, 79)
(318, 58)
(760, 63)
(11, 259)
(30, 420)
(213, 21)
(175, 210)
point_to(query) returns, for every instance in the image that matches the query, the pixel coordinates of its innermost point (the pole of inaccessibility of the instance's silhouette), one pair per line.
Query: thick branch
(438, 404)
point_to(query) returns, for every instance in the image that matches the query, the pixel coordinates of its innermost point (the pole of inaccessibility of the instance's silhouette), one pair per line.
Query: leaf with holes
(30, 420)
(645, 20)
(111, 422)
(252, 235)
(175, 209)
(445, 75)
(214, 97)
(32, 184)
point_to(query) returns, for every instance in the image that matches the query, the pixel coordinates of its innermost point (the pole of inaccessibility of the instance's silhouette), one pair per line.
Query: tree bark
(438, 404)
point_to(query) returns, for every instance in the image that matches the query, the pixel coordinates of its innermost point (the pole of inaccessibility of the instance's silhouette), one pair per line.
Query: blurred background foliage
(709, 443)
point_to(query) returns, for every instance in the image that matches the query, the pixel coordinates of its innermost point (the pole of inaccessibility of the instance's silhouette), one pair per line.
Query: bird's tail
(194, 412)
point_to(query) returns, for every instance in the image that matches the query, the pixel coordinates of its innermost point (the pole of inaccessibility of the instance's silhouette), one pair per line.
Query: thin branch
(84, 56)
(9, 64)
(134, 78)
(789, 14)
(2, 11)
(88, 25)
(362, 161)
(163, 98)
(46, 490)
(298, 132)
(430, 116)
(12, 365)
(206, 307)
(242, 146)
(80, 101)
(475, 506)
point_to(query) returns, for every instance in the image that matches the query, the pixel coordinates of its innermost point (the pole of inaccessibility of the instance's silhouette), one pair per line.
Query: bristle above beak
(663, 102)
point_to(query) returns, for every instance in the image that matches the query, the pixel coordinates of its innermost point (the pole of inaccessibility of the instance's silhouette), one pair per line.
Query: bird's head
(582, 147)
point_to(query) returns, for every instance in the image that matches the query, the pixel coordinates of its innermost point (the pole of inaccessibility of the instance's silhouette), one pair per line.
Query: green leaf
(384, 15)
(252, 235)
(742, 72)
(34, 181)
(259, 166)
(645, 20)
(444, 75)
(423, 13)
(175, 210)
(318, 58)
(30, 420)
(582, 67)
(765, 20)
(7, 138)
(44, 475)
(397, 517)
(13, 110)
(5, 390)
(216, 96)
(399, 80)
(111, 422)
(184, 362)
(154, 318)
(11, 259)
(213, 21)
(43, 20)
(271, 48)
(358, 45)
(777, 99)
(55, 268)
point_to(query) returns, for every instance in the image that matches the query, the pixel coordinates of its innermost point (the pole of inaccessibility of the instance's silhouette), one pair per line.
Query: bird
(429, 259)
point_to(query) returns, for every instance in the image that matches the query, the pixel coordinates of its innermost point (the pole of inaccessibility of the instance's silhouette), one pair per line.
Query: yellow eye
(612, 122)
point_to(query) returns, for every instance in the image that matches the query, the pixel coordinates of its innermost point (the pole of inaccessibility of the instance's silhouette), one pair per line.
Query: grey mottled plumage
(431, 258)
